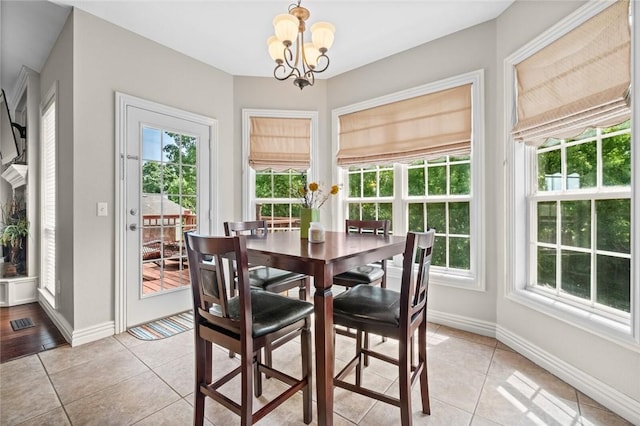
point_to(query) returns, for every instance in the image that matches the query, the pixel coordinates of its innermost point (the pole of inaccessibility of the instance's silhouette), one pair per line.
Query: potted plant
(14, 230)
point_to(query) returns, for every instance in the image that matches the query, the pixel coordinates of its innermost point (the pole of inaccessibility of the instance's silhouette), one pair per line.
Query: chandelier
(294, 57)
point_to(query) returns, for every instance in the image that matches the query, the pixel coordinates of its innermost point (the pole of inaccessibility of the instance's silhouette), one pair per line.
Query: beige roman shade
(426, 126)
(280, 143)
(580, 80)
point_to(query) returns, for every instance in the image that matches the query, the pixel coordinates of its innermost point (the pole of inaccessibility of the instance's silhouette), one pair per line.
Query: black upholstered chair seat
(367, 304)
(271, 312)
(364, 274)
(264, 277)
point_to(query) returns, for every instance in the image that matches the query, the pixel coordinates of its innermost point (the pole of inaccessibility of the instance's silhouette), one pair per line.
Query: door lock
(133, 226)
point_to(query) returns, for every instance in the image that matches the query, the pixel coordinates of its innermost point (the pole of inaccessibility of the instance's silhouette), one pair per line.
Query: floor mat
(21, 323)
(165, 327)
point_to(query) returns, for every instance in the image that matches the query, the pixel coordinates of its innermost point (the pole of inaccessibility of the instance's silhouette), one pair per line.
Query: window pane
(386, 183)
(354, 211)
(151, 144)
(616, 160)
(437, 177)
(460, 179)
(613, 288)
(263, 185)
(188, 149)
(281, 210)
(459, 218)
(459, 253)
(385, 211)
(576, 223)
(622, 126)
(436, 217)
(547, 222)
(613, 225)
(369, 184)
(151, 177)
(416, 181)
(355, 181)
(439, 257)
(188, 180)
(281, 187)
(416, 217)
(581, 166)
(547, 267)
(576, 273)
(549, 171)
(368, 211)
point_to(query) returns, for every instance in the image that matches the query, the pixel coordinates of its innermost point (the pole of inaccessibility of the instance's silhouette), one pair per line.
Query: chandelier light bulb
(286, 27)
(311, 54)
(322, 35)
(276, 49)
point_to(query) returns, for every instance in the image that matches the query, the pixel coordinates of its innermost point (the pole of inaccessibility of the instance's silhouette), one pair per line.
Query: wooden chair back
(256, 228)
(379, 227)
(415, 285)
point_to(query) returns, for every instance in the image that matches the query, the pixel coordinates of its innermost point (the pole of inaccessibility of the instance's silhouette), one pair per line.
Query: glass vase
(306, 217)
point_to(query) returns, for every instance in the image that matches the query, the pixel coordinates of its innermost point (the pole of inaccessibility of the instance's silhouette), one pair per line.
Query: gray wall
(459, 53)
(136, 66)
(59, 67)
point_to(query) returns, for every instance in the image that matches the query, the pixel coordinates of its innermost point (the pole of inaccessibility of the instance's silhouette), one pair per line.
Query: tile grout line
(64, 409)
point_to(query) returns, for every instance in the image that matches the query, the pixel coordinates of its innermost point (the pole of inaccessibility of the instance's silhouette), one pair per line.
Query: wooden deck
(158, 277)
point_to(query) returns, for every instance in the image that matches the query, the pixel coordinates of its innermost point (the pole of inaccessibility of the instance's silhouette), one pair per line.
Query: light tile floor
(474, 380)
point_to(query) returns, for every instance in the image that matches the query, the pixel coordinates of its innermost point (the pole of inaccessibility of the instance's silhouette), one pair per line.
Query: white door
(167, 178)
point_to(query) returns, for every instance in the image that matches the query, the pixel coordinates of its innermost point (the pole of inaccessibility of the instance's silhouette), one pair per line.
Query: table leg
(323, 308)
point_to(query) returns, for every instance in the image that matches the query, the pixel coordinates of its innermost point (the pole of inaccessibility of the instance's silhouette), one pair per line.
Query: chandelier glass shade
(293, 56)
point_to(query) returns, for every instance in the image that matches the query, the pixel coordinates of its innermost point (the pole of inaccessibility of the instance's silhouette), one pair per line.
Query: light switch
(102, 209)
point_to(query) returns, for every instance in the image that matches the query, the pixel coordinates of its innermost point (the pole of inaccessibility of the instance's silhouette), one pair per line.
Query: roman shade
(280, 143)
(426, 126)
(580, 80)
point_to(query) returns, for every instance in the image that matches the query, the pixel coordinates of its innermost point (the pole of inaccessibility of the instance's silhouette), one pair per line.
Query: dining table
(339, 253)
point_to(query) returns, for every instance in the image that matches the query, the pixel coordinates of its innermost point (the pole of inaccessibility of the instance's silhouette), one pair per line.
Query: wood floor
(15, 344)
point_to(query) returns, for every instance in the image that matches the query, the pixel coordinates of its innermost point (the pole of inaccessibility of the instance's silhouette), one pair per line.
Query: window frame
(474, 279)
(249, 175)
(521, 162)
(49, 100)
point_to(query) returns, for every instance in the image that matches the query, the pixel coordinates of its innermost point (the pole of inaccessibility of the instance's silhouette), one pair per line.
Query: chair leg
(302, 290)
(366, 345)
(359, 355)
(246, 379)
(405, 385)
(257, 375)
(422, 360)
(305, 340)
(203, 360)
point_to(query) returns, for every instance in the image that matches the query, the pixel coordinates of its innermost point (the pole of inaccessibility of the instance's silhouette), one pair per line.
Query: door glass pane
(168, 208)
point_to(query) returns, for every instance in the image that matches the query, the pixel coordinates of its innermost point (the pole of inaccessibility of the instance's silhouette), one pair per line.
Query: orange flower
(313, 187)
(334, 189)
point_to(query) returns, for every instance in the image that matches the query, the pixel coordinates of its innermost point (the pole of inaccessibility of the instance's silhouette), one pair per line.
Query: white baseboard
(77, 337)
(471, 325)
(58, 320)
(599, 391)
(93, 333)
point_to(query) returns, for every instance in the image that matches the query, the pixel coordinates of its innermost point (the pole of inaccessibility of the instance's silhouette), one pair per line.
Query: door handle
(133, 226)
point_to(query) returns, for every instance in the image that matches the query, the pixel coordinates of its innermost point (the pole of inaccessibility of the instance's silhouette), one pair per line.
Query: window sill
(598, 325)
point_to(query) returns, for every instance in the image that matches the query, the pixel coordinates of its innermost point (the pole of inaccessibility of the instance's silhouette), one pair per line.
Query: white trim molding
(606, 395)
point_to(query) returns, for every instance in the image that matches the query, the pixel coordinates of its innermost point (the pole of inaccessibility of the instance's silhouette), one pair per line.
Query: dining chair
(243, 324)
(267, 278)
(372, 273)
(396, 315)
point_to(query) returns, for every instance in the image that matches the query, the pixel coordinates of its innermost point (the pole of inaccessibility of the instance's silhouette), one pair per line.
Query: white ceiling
(231, 35)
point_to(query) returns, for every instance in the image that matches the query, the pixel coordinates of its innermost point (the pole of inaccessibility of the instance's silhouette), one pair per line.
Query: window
(582, 226)
(48, 121)
(442, 189)
(279, 151)
(570, 197)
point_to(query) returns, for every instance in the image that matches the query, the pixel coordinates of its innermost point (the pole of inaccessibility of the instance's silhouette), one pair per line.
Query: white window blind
(49, 191)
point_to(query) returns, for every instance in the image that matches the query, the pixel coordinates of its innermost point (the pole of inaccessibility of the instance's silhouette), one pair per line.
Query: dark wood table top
(343, 251)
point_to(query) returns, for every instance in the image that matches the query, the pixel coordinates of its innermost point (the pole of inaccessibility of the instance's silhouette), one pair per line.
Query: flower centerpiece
(312, 197)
